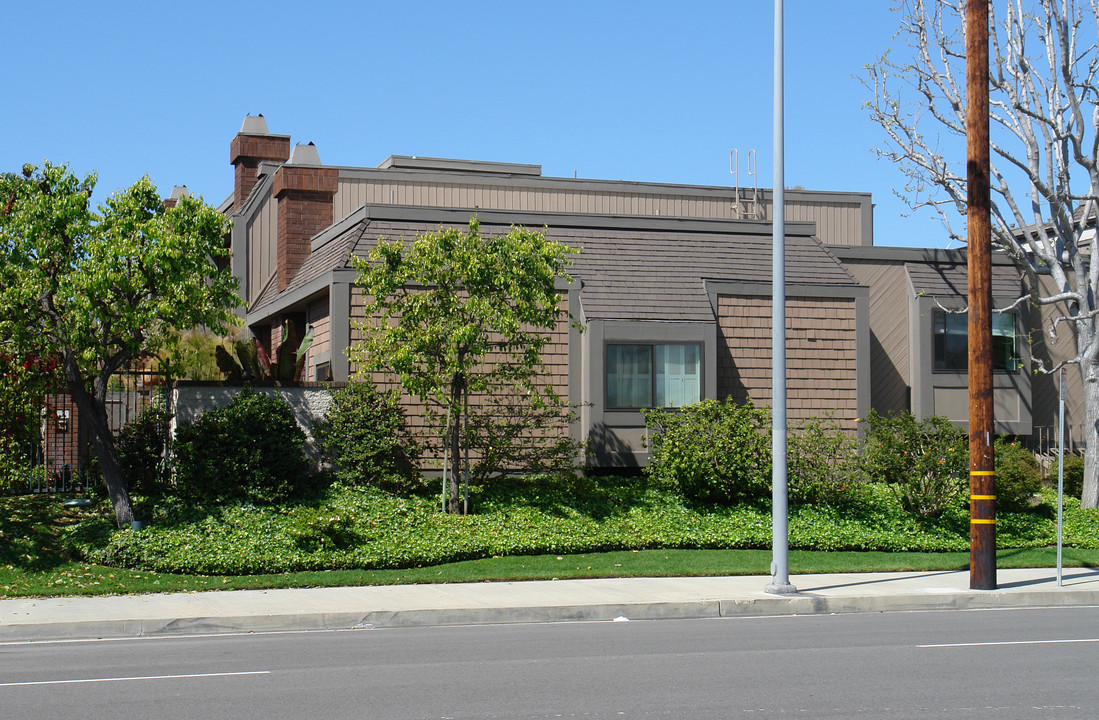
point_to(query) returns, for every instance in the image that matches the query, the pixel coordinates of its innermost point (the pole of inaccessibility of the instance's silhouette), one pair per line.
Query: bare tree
(1044, 113)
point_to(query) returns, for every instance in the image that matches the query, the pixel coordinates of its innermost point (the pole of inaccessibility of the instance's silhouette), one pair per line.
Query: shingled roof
(939, 279)
(631, 268)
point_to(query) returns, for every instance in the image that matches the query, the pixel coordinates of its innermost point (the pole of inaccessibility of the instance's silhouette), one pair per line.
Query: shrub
(365, 438)
(140, 446)
(15, 468)
(711, 451)
(1074, 475)
(822, 462)
(252, 448)
(925, 462)
(1017, 475)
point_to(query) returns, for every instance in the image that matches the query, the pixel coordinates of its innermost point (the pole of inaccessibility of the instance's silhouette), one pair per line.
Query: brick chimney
(251, 146)
(304, 190)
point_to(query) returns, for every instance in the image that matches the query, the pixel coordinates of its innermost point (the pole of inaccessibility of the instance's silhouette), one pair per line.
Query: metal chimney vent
(304, 155)
(254, 125)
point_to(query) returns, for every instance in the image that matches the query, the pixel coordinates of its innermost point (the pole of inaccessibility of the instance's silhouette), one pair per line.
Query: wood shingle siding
(555, 356)
(821, 350)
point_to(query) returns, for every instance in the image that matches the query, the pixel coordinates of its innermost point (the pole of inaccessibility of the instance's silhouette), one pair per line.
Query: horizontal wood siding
(838, 223)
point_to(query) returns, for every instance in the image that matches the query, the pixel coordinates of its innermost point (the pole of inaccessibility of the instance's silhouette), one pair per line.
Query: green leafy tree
(455, 313)
(24, 380)
(99, 289)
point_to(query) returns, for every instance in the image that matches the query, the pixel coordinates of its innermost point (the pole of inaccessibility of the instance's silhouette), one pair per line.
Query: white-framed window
(653, 375)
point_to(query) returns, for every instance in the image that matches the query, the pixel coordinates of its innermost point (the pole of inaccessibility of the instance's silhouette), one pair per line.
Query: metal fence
(63, 458)
(1043, 440)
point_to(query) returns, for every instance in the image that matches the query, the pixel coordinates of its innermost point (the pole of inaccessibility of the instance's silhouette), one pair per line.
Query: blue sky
(613, 90)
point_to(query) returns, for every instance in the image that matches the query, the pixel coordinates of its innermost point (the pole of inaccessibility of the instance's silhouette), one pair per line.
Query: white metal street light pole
(780, 562)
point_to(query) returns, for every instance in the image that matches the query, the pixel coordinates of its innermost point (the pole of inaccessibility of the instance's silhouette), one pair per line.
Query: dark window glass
(951, 342)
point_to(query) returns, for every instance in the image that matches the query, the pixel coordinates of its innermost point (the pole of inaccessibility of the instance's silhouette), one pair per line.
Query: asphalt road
(974, 664)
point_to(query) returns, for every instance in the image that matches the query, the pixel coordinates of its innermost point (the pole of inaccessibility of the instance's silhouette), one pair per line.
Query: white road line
(148, 638)
(143, 677)
(1012, 642)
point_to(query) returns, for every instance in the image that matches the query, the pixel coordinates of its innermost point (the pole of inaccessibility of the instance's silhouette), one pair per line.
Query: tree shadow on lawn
(30, 530)
(595, 496)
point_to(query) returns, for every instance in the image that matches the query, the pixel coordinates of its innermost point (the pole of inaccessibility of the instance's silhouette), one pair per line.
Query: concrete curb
(756, 606)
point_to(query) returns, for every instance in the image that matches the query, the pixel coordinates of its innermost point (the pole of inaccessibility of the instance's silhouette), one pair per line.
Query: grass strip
(72, 578)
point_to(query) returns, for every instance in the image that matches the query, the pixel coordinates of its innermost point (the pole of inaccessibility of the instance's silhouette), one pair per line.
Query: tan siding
(821, 355)
(838, 222)
(262, 246)
(1045, 386)
(889, 371)
(318, 316)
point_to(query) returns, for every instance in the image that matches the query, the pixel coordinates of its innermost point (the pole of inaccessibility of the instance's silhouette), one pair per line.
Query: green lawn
(38, 539)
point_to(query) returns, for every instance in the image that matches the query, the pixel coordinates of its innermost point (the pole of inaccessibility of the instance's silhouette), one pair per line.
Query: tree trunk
(94, 411)
(454, 431)
(1090, 496)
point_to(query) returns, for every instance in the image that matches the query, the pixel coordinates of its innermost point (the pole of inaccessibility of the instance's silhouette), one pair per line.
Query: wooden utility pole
(982, 474)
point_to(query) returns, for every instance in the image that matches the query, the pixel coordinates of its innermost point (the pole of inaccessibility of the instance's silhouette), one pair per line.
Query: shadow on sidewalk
(881, 580)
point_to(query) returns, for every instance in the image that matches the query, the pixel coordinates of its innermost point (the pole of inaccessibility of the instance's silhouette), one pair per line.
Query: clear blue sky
(613, 90)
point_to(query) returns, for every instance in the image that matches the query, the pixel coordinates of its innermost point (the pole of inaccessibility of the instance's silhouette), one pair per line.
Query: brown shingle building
(671, 285)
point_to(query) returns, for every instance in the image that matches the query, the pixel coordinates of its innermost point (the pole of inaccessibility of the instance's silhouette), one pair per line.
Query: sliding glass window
(644, 376)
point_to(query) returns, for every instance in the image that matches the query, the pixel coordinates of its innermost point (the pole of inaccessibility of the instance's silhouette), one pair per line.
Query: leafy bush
(140, 446)
(1017, 475)
(926, 462)
(15, 469)
(252, 448)
(366, 439)
(366, 527)
(23, 382)
(510, 430)
(822, 462)
(1074, 475)
(711, 451)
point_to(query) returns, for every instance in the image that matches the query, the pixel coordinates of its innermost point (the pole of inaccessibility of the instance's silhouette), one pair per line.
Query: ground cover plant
(369, 528)
(45, 547)
(366, 523)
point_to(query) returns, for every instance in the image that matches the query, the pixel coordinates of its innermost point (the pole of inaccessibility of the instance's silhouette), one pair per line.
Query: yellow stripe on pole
(982, 497)
(976, 521)
(982, 472)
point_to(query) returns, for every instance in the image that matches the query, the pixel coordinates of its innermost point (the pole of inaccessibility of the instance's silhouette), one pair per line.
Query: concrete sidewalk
(542, 601)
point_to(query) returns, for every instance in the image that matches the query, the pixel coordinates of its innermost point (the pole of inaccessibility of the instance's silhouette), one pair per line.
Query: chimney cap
(304, 155)
(254, 125)
(178, 192)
